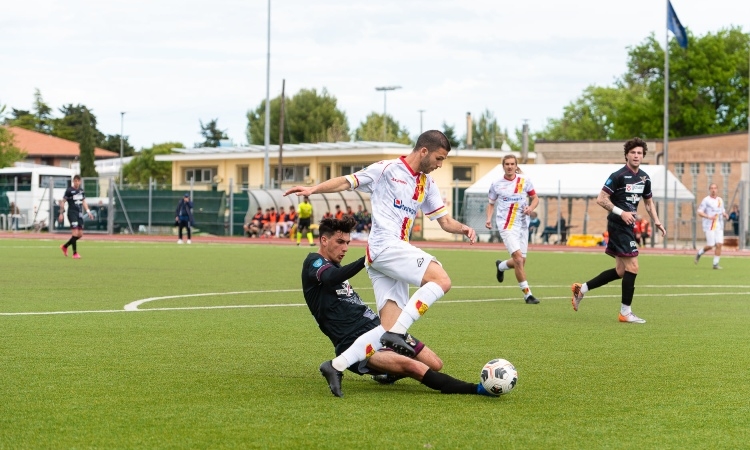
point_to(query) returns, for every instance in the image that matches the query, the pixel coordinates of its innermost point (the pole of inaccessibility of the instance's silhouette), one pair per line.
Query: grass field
(225, 354)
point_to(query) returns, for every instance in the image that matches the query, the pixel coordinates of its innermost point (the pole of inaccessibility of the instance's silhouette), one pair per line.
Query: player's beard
(424, 164)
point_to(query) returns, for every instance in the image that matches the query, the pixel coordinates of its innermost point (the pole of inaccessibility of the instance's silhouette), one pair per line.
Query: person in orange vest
(339, 213)
(645, 226)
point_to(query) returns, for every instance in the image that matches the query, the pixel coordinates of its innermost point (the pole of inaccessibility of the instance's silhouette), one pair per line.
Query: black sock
(602, 279)
(628, 287)
(70, 241)
(188, 230)
(74, 239)
(447, 384)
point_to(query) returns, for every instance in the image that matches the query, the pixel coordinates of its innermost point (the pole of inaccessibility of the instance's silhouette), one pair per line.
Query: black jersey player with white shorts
(620, 195)
(353, 328)
(76, 201)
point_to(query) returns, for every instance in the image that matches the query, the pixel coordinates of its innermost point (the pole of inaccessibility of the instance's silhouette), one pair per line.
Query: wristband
(617, 210)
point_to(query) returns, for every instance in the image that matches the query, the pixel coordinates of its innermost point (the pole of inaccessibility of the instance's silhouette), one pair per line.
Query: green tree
(485, 132)
(70, 126)
(21, 118)
(9, 153)
(450, 132)
(144, 166)
(708, 93)
(111, 142)
(309, 116)
(372, 130)
(212, 134)
(42, 114)
(87, 148)
(590, 117)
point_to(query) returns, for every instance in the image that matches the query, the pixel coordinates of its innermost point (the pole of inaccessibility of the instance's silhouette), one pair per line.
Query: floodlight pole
(420, 120)
(385, 90)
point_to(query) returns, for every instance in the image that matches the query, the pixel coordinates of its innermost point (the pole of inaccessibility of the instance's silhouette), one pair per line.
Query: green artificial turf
(226, 355)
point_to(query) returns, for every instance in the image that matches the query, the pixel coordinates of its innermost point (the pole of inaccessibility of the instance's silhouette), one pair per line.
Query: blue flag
(674, 25)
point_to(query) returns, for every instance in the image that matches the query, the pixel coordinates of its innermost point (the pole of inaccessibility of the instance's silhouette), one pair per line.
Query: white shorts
(516, 239)
(394, 269)
(714, 237)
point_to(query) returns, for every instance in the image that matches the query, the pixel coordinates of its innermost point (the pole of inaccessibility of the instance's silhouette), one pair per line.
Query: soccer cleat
(482, 391)
(398, 343)
(188, 241)
(64, 250)
(577, 295)
(179, 241)
(333, 377)
(500, 274)
(697, 258)
(386, 378)
(630, 318)
(717, 267)
(76, 256)
(531, 300)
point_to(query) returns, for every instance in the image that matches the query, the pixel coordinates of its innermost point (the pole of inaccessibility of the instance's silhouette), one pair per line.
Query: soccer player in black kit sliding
(620, 196)
(76, 201)
(353, 328)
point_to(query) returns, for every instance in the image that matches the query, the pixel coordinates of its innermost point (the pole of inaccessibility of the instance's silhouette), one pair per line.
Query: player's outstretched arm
(452, 225)
(337, 184)
(336, 275)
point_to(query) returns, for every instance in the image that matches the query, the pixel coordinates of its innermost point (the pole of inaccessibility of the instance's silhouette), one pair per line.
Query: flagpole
(663, 214)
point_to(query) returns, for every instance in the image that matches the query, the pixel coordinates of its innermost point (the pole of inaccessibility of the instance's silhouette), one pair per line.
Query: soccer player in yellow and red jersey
(508, 197)
(399, 188)
(713, 213)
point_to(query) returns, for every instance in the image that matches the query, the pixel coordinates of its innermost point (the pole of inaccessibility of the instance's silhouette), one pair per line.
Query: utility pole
(420, 120)
(385, 90)
(281, 135)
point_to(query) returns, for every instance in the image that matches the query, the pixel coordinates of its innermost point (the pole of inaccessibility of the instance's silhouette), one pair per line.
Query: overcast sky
(169, 64)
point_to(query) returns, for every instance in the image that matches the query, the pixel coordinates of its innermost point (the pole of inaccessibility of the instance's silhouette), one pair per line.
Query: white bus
(28, 187)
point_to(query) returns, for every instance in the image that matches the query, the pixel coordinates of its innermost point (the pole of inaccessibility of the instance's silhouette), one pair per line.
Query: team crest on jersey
(318, 262)
(644, 178)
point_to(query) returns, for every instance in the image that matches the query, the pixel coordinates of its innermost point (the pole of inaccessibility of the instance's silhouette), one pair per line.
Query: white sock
(584, 288)
(418, 304)
(700, 252)
(716, 260)
(524, 285)
(364, 347)
(503, 266)
(625, 309)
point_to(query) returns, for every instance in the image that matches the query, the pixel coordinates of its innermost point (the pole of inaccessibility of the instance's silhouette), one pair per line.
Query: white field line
(133, 306)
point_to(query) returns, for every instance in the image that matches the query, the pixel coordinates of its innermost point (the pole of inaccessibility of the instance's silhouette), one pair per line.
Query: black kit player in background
(620, 196)
(353, 328)
(76, 200)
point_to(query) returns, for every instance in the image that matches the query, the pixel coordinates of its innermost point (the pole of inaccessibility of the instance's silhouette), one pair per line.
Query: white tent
(582, 180)
(567, 181)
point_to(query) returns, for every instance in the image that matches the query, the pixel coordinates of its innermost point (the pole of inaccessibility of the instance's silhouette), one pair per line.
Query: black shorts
(76, 222)
(621, 240)
(304, 224)
(359, 368)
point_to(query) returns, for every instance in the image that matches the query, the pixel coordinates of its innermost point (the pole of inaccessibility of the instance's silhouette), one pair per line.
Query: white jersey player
(507, 196)
(399, 188)
(713, 213)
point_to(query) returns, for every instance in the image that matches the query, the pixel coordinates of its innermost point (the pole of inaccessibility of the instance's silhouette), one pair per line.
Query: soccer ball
(499, 377)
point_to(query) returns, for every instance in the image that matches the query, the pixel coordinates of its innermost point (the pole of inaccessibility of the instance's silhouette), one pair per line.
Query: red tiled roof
(43, 145)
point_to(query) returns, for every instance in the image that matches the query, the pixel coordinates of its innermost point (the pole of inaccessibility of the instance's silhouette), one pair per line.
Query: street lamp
(122, 121)
(385, 90)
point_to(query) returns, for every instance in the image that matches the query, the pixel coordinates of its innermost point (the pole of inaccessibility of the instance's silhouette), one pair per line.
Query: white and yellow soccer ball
(499, 377)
